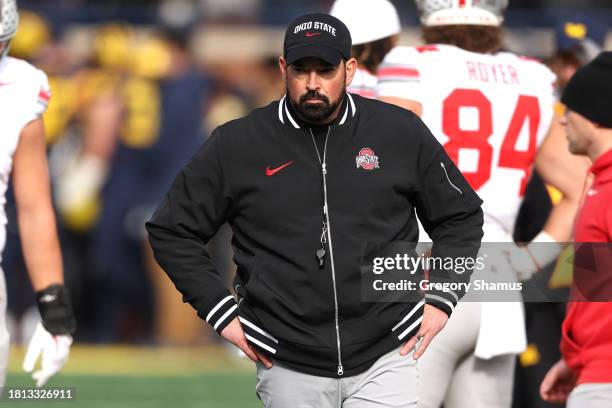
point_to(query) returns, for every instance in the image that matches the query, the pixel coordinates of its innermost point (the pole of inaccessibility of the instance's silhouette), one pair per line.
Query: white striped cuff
(258, 336)
(444, 301)
(222, 313)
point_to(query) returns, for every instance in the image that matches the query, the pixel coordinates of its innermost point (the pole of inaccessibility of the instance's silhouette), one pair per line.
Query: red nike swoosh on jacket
(271, 172)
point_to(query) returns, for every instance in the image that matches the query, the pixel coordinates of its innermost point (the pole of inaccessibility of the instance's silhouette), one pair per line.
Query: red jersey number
(527, 108)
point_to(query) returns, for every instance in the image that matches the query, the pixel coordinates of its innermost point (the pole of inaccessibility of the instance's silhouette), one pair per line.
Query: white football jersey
(363, 84)
(489, 111)
(24, 95)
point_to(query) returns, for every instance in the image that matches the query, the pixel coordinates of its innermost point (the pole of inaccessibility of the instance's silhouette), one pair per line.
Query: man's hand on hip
(557, 384)
(234, 334)
(433, 321)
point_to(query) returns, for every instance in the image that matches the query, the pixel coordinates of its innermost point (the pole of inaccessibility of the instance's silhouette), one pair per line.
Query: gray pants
(452, 375)
(390, 383)
(592, 395)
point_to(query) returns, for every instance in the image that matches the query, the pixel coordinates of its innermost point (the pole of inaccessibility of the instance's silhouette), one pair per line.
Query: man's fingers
(556, 397)
(34, 349)
(242, 345)
(548, 384)
(255, 356)
(409, 345)
(552, 392)
(234, 334)
(264, 359)
(41, 378)
(560, 394)
(545, 387)
(30, 358)
(425, 340)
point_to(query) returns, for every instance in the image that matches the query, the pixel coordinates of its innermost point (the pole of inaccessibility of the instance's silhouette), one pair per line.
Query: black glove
(56, 310)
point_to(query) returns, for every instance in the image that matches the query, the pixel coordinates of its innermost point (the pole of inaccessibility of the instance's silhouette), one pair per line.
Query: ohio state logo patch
(367, 159)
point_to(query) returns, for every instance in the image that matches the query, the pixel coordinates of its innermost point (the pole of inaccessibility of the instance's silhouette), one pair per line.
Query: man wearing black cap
(586, 344)
(577, 41)
(312, 185)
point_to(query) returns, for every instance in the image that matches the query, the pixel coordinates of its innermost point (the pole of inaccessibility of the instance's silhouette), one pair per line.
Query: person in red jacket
(583, 376)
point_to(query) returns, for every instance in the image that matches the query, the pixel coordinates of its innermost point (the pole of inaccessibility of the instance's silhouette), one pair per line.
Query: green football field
(145, 377)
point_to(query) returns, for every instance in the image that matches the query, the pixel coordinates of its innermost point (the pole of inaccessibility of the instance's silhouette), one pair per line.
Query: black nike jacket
(301, 219)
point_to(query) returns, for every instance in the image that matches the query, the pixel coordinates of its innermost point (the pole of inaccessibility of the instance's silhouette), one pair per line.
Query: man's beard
(319, 112)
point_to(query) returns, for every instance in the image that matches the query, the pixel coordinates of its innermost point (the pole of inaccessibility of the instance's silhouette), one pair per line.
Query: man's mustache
(314, 95)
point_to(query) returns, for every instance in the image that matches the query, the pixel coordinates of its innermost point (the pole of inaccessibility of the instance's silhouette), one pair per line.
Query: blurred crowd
(278, 12)
(131, 103)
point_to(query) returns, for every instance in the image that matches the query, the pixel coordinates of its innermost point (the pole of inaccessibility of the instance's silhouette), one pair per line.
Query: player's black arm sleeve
(451, 213)
(191, 212)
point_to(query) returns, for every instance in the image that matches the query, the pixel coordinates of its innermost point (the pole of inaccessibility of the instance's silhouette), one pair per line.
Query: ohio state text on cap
(317, 35)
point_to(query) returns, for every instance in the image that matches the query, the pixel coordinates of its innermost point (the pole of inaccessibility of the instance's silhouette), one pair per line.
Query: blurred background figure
(375, 27)
(24, 97)
(583, 377)
(441, 81)
(37, 41)
(577, 41)
(163, 103)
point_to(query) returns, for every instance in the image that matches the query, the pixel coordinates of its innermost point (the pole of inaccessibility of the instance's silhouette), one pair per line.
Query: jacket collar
(602, 168)
(288, 118)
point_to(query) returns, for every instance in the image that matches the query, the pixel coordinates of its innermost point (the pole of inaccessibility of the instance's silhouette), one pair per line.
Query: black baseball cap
(317, 35)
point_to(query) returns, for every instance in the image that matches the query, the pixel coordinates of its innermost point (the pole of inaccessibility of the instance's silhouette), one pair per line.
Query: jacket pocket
(409, 324)
(245, 273)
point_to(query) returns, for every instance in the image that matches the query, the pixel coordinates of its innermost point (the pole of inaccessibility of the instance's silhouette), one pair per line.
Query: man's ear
(350, 67)
(282, 65)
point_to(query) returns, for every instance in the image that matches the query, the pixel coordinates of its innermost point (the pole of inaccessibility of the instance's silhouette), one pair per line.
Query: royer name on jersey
(490, 113)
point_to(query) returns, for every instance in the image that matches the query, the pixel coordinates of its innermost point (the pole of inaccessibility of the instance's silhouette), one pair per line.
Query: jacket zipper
(449, 180)
(329, 241)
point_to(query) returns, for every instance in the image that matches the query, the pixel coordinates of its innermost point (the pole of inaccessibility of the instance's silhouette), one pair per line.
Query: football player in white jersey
(374, 26)
(24, 95)
(490, 110)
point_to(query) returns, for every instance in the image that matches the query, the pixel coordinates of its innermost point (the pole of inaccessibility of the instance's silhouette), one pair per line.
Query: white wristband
(544, 249)
(544, 236)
